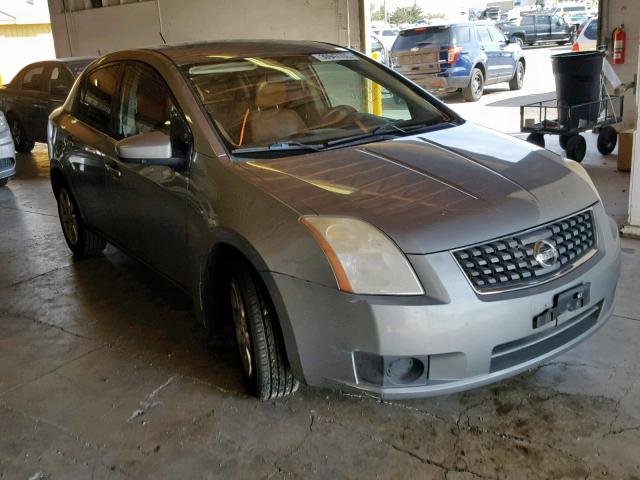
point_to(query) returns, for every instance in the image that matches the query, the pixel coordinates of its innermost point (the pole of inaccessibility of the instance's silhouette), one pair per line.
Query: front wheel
(260, 344)
(81, 241)
(518, 41)
(607, 140)
(20, 138)
(473, 91)
(4, 181)
(576, 148)
(536, 139)
(517, 81)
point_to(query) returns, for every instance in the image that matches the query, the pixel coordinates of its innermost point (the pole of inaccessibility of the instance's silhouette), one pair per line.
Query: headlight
(364, 260)
(581, 172)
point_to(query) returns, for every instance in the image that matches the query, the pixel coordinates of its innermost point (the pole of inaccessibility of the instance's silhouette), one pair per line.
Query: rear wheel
(607, 140)
(473, 91)
(576, 148)
(81, 241)
(536, 139)
(518, 77)
(20, 139)
(518, 41)
(260, 344)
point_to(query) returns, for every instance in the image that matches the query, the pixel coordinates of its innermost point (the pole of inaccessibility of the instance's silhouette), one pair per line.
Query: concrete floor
(104, 374)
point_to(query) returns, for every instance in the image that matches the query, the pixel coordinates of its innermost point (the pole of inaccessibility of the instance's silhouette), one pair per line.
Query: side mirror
(507, 40)
(151, 148)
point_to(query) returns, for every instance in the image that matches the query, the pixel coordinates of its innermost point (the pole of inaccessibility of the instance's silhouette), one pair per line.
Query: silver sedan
(7, 152)
(355, 231)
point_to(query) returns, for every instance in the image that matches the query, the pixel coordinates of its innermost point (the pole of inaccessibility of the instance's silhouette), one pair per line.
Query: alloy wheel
(477, 85)
(520, 73)
(242, 328)
(68, 216)
(16, 132)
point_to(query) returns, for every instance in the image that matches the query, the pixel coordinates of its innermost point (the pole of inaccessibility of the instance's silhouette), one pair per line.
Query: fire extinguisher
(619, 44)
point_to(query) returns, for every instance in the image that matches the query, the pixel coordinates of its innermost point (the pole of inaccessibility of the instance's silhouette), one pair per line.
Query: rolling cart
(550, 118)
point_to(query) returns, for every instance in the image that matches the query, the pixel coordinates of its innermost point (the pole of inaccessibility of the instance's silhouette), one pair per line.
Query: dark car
(34, 93)
(458, 56)
(539, 28)
(384, 247)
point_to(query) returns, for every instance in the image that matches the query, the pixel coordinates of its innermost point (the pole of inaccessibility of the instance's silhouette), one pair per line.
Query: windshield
(306, 100)
(575, 9)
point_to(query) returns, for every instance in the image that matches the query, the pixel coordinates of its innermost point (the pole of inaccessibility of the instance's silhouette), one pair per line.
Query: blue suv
(458, 56)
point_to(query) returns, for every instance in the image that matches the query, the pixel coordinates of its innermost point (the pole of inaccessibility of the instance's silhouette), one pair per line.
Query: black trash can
(577, 77)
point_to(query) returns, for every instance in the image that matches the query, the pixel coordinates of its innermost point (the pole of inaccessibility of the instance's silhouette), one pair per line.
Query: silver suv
(356, 232)
(7, 152)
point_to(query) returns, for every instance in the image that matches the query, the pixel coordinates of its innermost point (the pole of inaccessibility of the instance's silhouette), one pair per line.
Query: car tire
(81, 241)
(518, 41)
(4, 181)
(563, 139)
(473, 91)
(576, 148)
(536, 139)
(260, 345)
(517, 81)
(607, 140)
(20, 139)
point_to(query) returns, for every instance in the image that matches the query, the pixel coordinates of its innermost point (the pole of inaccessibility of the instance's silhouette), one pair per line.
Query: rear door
(90, 142)
(149, 201)
(492, 49)
(543, 28)
(33, 106)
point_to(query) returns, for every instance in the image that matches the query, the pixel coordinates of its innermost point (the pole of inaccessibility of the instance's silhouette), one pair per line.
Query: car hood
(430, 192)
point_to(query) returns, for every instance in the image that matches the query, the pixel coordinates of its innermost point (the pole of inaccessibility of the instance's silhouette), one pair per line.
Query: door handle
(114, 171)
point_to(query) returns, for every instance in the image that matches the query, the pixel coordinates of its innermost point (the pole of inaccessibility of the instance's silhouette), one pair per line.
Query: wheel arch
(210, 292)
(481, 66)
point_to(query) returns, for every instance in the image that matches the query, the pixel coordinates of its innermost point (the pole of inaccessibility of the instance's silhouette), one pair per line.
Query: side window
(146, 105)
(496, 35)
(591, 32)
(483, 35)
(96, 98)
(462, 35)
(556, 20)
(34, 79)
(542, 20)
(526, 20)
(60, 80)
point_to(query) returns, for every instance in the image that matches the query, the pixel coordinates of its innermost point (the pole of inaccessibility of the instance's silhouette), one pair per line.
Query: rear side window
(60, 81)
(461, 35)
(423, 37)
(96, 98)
(34, 79)
(483, 35)
(591, 32)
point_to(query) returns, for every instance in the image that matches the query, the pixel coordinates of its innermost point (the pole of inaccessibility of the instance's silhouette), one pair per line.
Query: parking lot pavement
(104, 374)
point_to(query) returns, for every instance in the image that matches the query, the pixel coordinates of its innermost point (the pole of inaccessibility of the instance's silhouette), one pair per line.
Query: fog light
(404, 370)
(390, 371)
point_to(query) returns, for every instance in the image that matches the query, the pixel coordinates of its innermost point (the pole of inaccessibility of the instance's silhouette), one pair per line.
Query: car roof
(451, 24)
(199, 52)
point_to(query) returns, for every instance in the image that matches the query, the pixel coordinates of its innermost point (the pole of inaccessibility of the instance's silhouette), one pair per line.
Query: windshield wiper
(281, 147)
(382, 131)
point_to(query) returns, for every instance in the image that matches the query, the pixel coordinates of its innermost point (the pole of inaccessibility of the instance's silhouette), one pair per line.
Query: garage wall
(95, 31)
(615, 13)
(21, 45)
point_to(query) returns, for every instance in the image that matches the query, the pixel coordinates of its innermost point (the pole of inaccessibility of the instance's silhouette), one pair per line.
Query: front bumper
(466, 339)
(7, 155)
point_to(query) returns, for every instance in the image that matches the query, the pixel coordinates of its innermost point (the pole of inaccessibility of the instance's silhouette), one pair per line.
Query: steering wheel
(336, 115)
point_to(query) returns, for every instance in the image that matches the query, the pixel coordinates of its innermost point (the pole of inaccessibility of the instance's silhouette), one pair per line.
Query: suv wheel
(518, 41)
(473, 91)
(260, 344)
(518, 77)
(81, 241)
(20, 139)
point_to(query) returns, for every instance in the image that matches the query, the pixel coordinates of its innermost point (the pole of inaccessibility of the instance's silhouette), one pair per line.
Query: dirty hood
(430, 192)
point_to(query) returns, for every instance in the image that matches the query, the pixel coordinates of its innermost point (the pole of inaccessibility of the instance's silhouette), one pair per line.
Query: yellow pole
(376, 91)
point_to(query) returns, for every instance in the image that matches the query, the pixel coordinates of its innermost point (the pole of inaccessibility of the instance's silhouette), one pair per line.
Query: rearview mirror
(151, 148)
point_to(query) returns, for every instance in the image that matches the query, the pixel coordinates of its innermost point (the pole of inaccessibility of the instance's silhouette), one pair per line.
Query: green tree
(377, 15)
(407, 15)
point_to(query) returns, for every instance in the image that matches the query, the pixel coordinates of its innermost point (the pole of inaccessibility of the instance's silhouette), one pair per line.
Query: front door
(149, 201)
(505, 57)
(492, 50)
(543, 27)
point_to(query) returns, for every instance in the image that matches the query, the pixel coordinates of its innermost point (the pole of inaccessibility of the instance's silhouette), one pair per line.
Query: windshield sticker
(334, 57)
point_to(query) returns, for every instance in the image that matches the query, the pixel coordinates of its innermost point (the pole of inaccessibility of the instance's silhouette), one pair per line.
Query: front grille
(6, 163)
(510, 263)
